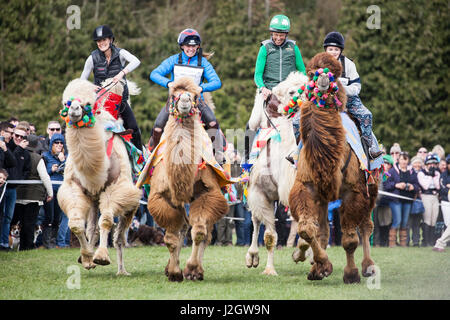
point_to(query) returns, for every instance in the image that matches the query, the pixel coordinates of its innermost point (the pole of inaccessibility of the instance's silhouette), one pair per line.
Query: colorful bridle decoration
(292, 107)
(313, 93)
(88, 120)
(177, 116)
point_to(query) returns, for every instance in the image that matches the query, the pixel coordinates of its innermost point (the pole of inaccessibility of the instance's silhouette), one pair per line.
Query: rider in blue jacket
(190, 62)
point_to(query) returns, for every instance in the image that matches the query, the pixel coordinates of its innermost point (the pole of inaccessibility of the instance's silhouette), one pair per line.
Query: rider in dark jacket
(108, 61)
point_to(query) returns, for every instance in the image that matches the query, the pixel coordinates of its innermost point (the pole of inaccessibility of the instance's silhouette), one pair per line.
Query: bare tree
(2, 63)
(249, 13)
(267, 3)
(97, 7)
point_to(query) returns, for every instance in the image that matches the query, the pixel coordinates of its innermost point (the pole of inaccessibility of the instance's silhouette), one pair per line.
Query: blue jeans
(247, 226)
(9, 203)
(62, 231)
(239, 224)
(400, 214)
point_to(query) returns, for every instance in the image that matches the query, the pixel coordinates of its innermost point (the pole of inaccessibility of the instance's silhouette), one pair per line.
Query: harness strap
(110, 146)
(267, 116)
(347, 161)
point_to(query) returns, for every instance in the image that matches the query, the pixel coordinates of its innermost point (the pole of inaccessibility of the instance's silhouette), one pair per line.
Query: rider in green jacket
(277, 58)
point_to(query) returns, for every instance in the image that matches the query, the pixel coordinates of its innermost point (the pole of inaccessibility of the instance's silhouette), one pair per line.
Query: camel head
(288, 89)
(324, 88)
(184, 95)
(78, 98)
(322, 61)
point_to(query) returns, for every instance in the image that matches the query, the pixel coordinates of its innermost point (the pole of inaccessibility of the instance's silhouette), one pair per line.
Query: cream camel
(97, 177)
(272, 176)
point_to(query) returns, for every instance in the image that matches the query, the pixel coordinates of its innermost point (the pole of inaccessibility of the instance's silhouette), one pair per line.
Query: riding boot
(47, 236)
(393, 237)
(249, 137)
(136, 139)
(403, 237)
(154, 140)
(218, 145)
(371, 152)
(431, 236)
(425, 235)
(54, 236)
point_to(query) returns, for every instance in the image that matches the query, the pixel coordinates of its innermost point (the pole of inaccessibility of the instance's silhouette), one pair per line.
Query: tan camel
(180, 179)
(95, 180)
(328, 170)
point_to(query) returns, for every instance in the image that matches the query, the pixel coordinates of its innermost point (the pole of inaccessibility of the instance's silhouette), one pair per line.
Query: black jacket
(7, 159)
(23, 166)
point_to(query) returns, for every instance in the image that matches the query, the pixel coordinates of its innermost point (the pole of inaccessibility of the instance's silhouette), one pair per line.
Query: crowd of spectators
(412, 208)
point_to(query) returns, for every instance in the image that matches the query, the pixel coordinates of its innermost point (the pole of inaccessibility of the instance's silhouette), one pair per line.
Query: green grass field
(406, 273)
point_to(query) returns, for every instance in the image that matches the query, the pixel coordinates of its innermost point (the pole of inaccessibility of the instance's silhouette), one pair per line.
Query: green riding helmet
(280, 23)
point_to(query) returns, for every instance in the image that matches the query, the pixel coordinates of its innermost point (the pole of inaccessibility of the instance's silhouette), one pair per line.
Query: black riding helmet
(334, 39)
(102, 32)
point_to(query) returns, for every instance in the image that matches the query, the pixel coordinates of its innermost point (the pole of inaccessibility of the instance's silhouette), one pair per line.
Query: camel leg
(252, 256)
(366, 229)
(120, 240)
(309, 213)
(350, 239)
(77, 212)
(106, 222)
(205, 210)
(173, 220)
(270, 241)
(193, 269)
(92, 226)
(302, 251)
(201, 251)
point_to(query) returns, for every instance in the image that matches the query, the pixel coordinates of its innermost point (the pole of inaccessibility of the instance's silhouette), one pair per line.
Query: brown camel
(329, 170)
(180, 178)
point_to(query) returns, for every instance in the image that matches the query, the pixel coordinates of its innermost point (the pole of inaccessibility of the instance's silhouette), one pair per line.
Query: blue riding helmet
(189, 37)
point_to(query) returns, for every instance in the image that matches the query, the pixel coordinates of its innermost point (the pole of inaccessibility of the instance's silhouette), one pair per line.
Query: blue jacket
(51, 159)
(166, 67)
(389, 184)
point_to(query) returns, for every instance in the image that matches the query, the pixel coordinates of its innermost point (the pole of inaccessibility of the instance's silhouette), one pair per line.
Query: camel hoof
(352, 276)
(270, 272)
(320, 270)
(87, 262)
(175, 277)
(123, 273)
(101, 257)
(193, 273)
(368, 269)
(252, 259)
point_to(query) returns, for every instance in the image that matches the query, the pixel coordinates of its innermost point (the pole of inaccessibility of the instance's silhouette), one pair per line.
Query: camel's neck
(183, 155)
(87, 151)
(323, 136)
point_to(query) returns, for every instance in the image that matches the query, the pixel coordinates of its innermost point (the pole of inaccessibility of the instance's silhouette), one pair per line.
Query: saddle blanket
(136, 156)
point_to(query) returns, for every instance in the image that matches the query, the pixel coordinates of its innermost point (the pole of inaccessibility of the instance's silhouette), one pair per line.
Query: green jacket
(275, 63)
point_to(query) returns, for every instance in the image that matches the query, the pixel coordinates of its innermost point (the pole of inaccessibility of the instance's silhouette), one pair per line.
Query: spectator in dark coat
(444, 193)
(31, 196)
(17, 145)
